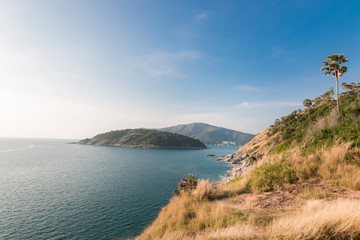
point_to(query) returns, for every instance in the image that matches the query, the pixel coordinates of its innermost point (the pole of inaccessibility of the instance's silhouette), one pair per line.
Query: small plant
(187, 184)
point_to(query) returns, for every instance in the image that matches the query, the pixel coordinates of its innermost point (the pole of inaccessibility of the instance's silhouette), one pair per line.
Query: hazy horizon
(65, 138)
(73, 69)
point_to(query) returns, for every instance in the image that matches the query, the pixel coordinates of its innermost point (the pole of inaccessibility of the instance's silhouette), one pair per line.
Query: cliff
(298, 179)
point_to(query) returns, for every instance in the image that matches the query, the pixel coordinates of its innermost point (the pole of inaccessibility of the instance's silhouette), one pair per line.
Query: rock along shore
(239, 162)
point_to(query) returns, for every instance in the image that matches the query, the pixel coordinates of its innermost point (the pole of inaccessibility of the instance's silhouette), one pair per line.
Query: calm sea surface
(53, 190)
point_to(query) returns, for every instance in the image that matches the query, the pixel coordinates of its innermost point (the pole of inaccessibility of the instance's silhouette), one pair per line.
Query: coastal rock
(240, 162)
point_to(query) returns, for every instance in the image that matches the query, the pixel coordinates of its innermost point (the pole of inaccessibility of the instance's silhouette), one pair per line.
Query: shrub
(187, 184)
(270, 175)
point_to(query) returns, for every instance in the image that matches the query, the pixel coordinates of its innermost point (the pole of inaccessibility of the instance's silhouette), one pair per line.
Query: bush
(187, 184)
(270, 175)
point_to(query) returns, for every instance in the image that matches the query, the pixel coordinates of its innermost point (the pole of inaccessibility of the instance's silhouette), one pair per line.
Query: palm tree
(333, 65)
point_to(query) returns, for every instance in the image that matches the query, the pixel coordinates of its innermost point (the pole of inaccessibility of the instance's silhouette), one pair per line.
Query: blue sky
(72, 69)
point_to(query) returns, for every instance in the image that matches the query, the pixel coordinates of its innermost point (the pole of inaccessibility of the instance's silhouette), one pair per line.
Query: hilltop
(210, 134)
(298, 179)
(144, 138)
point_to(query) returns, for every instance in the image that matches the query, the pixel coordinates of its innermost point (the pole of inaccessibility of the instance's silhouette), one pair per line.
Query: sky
(76, 68)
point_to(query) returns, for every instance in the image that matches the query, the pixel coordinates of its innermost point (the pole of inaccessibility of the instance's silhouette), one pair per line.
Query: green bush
(187, 184)
(270, 175)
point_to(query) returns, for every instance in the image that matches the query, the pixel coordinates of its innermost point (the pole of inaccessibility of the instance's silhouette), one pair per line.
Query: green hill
(144, 138)
(209, 134)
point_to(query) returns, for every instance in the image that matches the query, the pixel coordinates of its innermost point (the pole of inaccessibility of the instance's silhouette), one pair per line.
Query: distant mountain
(144, 138)
(209, 134)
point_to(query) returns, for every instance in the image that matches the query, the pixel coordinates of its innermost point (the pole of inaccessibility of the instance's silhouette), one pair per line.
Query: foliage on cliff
(209, 134)
(320, 124)
(143, 138)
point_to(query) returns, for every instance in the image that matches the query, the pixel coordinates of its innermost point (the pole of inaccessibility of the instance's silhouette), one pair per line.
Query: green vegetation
(188, 183)
(270, 175)
(209, 134)
(143, 138)
(320, 124)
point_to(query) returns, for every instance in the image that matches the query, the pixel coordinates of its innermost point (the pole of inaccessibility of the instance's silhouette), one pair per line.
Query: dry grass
(314, 193)
(235, 188)
(329, 121)
(185, 215)
(206, 190)
(242, 232)
(330, 164)
(338, 219)
(198, 215)
(235, 232)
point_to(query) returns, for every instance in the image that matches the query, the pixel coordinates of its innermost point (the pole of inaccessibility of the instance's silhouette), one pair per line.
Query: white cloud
(249, 105)
(246, 88)
(202, 16)
(165, 64)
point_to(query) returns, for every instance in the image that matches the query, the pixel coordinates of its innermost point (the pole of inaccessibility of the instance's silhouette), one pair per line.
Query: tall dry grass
(338, 219)
(236, 187)
(206, 190)
(242, 232)
(186, 215)
(331, 164)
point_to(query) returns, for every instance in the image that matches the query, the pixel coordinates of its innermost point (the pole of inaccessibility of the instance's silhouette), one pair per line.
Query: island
(144, 138)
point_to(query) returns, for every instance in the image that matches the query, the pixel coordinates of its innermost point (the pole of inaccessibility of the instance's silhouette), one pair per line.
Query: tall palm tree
(333, 66)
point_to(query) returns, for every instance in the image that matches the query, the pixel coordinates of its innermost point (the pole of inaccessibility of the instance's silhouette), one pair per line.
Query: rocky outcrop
(240, 162)
(247, 155)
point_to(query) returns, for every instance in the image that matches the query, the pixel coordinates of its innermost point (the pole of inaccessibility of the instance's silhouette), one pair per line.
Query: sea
(50, 189)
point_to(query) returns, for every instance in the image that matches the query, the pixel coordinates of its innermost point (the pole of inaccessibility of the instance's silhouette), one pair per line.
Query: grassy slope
(210, 134)
(304, 183)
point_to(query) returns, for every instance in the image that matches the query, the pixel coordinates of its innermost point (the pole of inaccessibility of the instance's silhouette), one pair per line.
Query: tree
(333, 66)
(346, 86)
(357, 88)
(307, 103)
(328, 94)
(317, 101)
(353, 85)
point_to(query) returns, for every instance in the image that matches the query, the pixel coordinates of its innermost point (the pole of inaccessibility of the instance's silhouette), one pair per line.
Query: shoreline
(146, 146)
(239, 163)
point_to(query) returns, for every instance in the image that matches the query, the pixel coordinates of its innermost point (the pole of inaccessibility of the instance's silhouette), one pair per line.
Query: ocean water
(53, 190)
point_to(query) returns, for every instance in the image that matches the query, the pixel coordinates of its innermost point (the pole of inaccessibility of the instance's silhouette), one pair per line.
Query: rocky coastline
(238, 161)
